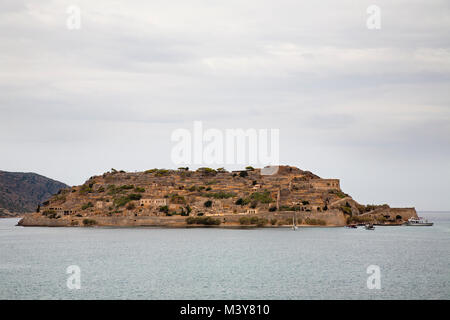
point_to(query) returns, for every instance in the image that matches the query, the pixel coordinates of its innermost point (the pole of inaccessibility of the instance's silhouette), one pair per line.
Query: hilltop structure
(160, 197)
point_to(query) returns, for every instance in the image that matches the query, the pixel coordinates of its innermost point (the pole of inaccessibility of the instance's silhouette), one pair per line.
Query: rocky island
(209, 197)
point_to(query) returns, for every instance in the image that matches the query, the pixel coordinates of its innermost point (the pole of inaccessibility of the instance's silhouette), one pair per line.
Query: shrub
(305, 202)
(253, 220)
(85, 188)
(134, 196)
(131, 206)
(346, 210)
(221, 195)
(244, 220)
(209, 221)
(249, 168)
(200, 214)
(263, 197)
(89, 222)
(161, 172)
(261, 222)
(175, 198)
(339, 193)
(242, 202)
(138, 189)
(101, 189)
(311, 221)
(164, 209)
(243, 174)
(273, 221)
(208, 204)
(272, 209)
(207, 171)
(126, 187)
(120, 202)
(86, 206)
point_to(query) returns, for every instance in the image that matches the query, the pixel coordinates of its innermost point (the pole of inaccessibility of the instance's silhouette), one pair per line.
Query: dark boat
(369, 226)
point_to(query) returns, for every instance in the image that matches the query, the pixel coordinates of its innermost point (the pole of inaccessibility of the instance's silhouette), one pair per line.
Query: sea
(390, 262)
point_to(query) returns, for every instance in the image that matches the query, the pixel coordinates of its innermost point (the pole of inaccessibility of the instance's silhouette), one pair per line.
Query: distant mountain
(22, 192)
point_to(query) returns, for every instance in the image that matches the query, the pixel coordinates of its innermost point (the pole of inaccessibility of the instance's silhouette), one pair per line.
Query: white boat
(418, 222)
(294, 224)
(369, 226)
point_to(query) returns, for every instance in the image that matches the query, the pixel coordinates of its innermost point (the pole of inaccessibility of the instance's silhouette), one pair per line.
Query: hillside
(179, 197)
(22, 192)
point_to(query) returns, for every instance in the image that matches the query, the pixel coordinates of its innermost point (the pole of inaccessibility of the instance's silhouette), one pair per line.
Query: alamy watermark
(73, 21)
(74, 280)
(259, 147)
(374, 280)
(373, 22)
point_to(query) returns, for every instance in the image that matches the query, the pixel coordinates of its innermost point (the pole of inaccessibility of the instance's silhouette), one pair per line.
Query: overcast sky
(370, 107)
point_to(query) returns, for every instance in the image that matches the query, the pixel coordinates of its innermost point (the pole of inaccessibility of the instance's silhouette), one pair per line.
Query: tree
(208, 204)
(243, 174)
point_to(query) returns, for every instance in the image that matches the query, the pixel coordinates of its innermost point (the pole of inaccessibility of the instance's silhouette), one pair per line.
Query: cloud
(109, 94)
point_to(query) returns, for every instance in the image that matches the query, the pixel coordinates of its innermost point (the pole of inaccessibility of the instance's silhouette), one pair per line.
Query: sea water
(207, 263)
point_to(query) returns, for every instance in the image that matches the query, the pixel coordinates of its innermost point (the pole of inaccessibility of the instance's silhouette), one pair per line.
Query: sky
(368, 106)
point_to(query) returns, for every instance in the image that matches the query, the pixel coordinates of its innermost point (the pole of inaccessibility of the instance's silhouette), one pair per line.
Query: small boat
(418, 222)
(369, 226)
(352, 226)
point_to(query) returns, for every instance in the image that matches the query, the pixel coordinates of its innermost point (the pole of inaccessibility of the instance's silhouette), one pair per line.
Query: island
(210, 197)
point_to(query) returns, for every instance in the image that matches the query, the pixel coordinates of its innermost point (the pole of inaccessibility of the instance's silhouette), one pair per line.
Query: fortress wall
(406, 213)
(335, 218)
(325, 184)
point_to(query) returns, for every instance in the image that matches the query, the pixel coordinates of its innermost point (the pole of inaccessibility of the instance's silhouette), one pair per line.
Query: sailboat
(294, 224)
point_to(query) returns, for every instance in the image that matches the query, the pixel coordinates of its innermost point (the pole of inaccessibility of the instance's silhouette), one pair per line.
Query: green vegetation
(339, 193)
(51, 214)
(289, 208)
(260, 222)
(89, 222)
(273, 221)
(262, 197)
(272, 209)
(164, 209)
(131, 206)
(87, 205)
(177, 199)
(139, 189)
(359, 219)
(207, 171)
(347, 209)
(101, 189)
(186, 211)
(220, 195)
(312, 221)
(85, 189)
(243, 174)
(120, 202)
(158, 172)
(209, 221)
(249, 168)
(242, 202)
(208, 204)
